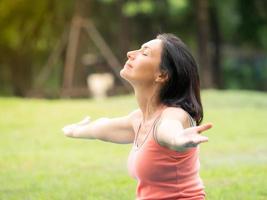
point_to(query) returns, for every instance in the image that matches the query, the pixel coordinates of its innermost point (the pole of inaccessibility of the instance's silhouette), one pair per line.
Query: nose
(130, 54)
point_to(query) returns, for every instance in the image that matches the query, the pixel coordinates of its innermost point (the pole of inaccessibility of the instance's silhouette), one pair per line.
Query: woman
(164, 157)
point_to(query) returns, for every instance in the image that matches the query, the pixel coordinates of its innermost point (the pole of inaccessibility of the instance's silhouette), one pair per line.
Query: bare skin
(142, 71)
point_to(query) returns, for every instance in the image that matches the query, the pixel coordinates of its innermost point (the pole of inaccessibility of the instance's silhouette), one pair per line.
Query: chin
(125, 75)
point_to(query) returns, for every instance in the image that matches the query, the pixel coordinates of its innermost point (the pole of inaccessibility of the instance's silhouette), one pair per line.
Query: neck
(148, 101)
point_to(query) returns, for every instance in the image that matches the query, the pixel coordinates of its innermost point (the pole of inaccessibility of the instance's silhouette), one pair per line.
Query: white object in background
(99, 84)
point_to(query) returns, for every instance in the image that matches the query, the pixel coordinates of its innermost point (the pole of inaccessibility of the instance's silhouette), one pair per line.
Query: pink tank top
(163, 173)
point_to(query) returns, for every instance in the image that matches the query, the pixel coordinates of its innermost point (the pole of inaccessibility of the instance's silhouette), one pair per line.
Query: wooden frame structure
(71, 40)
(79, 23)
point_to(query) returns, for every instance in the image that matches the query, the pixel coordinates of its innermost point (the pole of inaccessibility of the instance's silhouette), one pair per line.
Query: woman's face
(142, 66)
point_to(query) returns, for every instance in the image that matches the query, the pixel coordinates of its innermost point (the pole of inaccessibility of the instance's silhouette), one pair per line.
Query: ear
(161, 77)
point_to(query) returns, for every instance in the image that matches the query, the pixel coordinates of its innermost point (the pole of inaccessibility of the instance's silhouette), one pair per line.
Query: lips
(128, 65)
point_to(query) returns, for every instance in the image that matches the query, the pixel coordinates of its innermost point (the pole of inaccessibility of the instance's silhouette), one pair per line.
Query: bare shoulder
(176, 113)
(173, 119)
(134, 118)
(136, 112)
(126, 121)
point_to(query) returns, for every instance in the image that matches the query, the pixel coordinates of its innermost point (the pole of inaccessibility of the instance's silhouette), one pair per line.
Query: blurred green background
(227, 38)
(48, 49)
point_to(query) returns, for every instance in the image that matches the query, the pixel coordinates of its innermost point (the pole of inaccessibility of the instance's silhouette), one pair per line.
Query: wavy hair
(182, 88)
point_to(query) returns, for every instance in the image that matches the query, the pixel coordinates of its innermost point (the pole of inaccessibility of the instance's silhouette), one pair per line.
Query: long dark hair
(182, 89)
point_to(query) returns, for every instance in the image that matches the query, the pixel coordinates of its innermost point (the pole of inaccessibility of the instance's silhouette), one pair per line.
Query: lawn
(38, 162)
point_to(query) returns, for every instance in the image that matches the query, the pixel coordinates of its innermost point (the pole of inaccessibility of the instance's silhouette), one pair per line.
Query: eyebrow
(145, 47)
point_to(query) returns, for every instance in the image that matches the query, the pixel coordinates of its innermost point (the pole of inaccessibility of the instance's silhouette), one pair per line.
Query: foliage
(246, 72)
(30, 30)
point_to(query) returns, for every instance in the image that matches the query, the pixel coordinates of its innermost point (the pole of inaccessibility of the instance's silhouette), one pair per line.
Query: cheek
(147, 65)
(149, 69)
(144, 74)
(143, 71)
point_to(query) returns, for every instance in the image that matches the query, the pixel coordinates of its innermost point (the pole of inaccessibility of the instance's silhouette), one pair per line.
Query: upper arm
(116, 130)
(173, 121)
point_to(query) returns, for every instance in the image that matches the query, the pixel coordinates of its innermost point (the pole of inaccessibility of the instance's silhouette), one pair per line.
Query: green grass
(38, 162)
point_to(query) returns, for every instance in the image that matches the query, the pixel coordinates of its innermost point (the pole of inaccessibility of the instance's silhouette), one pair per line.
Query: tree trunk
(74, 72)
(21, 76)
(203, 41)
(216, 56)
(124, 32)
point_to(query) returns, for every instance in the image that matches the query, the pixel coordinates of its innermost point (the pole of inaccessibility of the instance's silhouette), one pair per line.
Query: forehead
(154, 45)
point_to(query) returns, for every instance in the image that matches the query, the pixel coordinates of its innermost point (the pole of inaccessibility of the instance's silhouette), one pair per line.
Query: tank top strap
(192, 123)
(154, 130)
(155, 122)
(191, 120)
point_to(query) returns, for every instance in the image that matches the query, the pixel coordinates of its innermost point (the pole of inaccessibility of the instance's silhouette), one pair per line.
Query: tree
(27, 36)
(203, 38)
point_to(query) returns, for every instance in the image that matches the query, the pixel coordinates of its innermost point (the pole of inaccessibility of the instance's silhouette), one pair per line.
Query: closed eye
(144, 52)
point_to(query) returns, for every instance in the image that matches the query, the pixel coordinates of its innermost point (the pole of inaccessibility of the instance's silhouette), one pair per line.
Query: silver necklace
(147, 134)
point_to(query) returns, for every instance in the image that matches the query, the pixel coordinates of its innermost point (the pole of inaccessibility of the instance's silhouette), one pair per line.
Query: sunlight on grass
(38, 162)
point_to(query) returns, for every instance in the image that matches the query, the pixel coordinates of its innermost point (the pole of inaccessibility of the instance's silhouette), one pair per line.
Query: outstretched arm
(172, 134)
(116, 130)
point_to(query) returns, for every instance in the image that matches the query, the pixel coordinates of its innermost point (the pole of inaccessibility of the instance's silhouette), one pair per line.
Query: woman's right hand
(69, 129)
(116, 130)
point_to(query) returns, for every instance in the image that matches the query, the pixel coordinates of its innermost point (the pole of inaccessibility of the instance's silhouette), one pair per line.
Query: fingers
(196, 141)
(199, 139)
(203, 139)
(68, 129)
(86, 120)
(195, 138)
(203, 127)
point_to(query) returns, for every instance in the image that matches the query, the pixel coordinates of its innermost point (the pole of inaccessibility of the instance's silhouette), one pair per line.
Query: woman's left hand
(191, 137)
